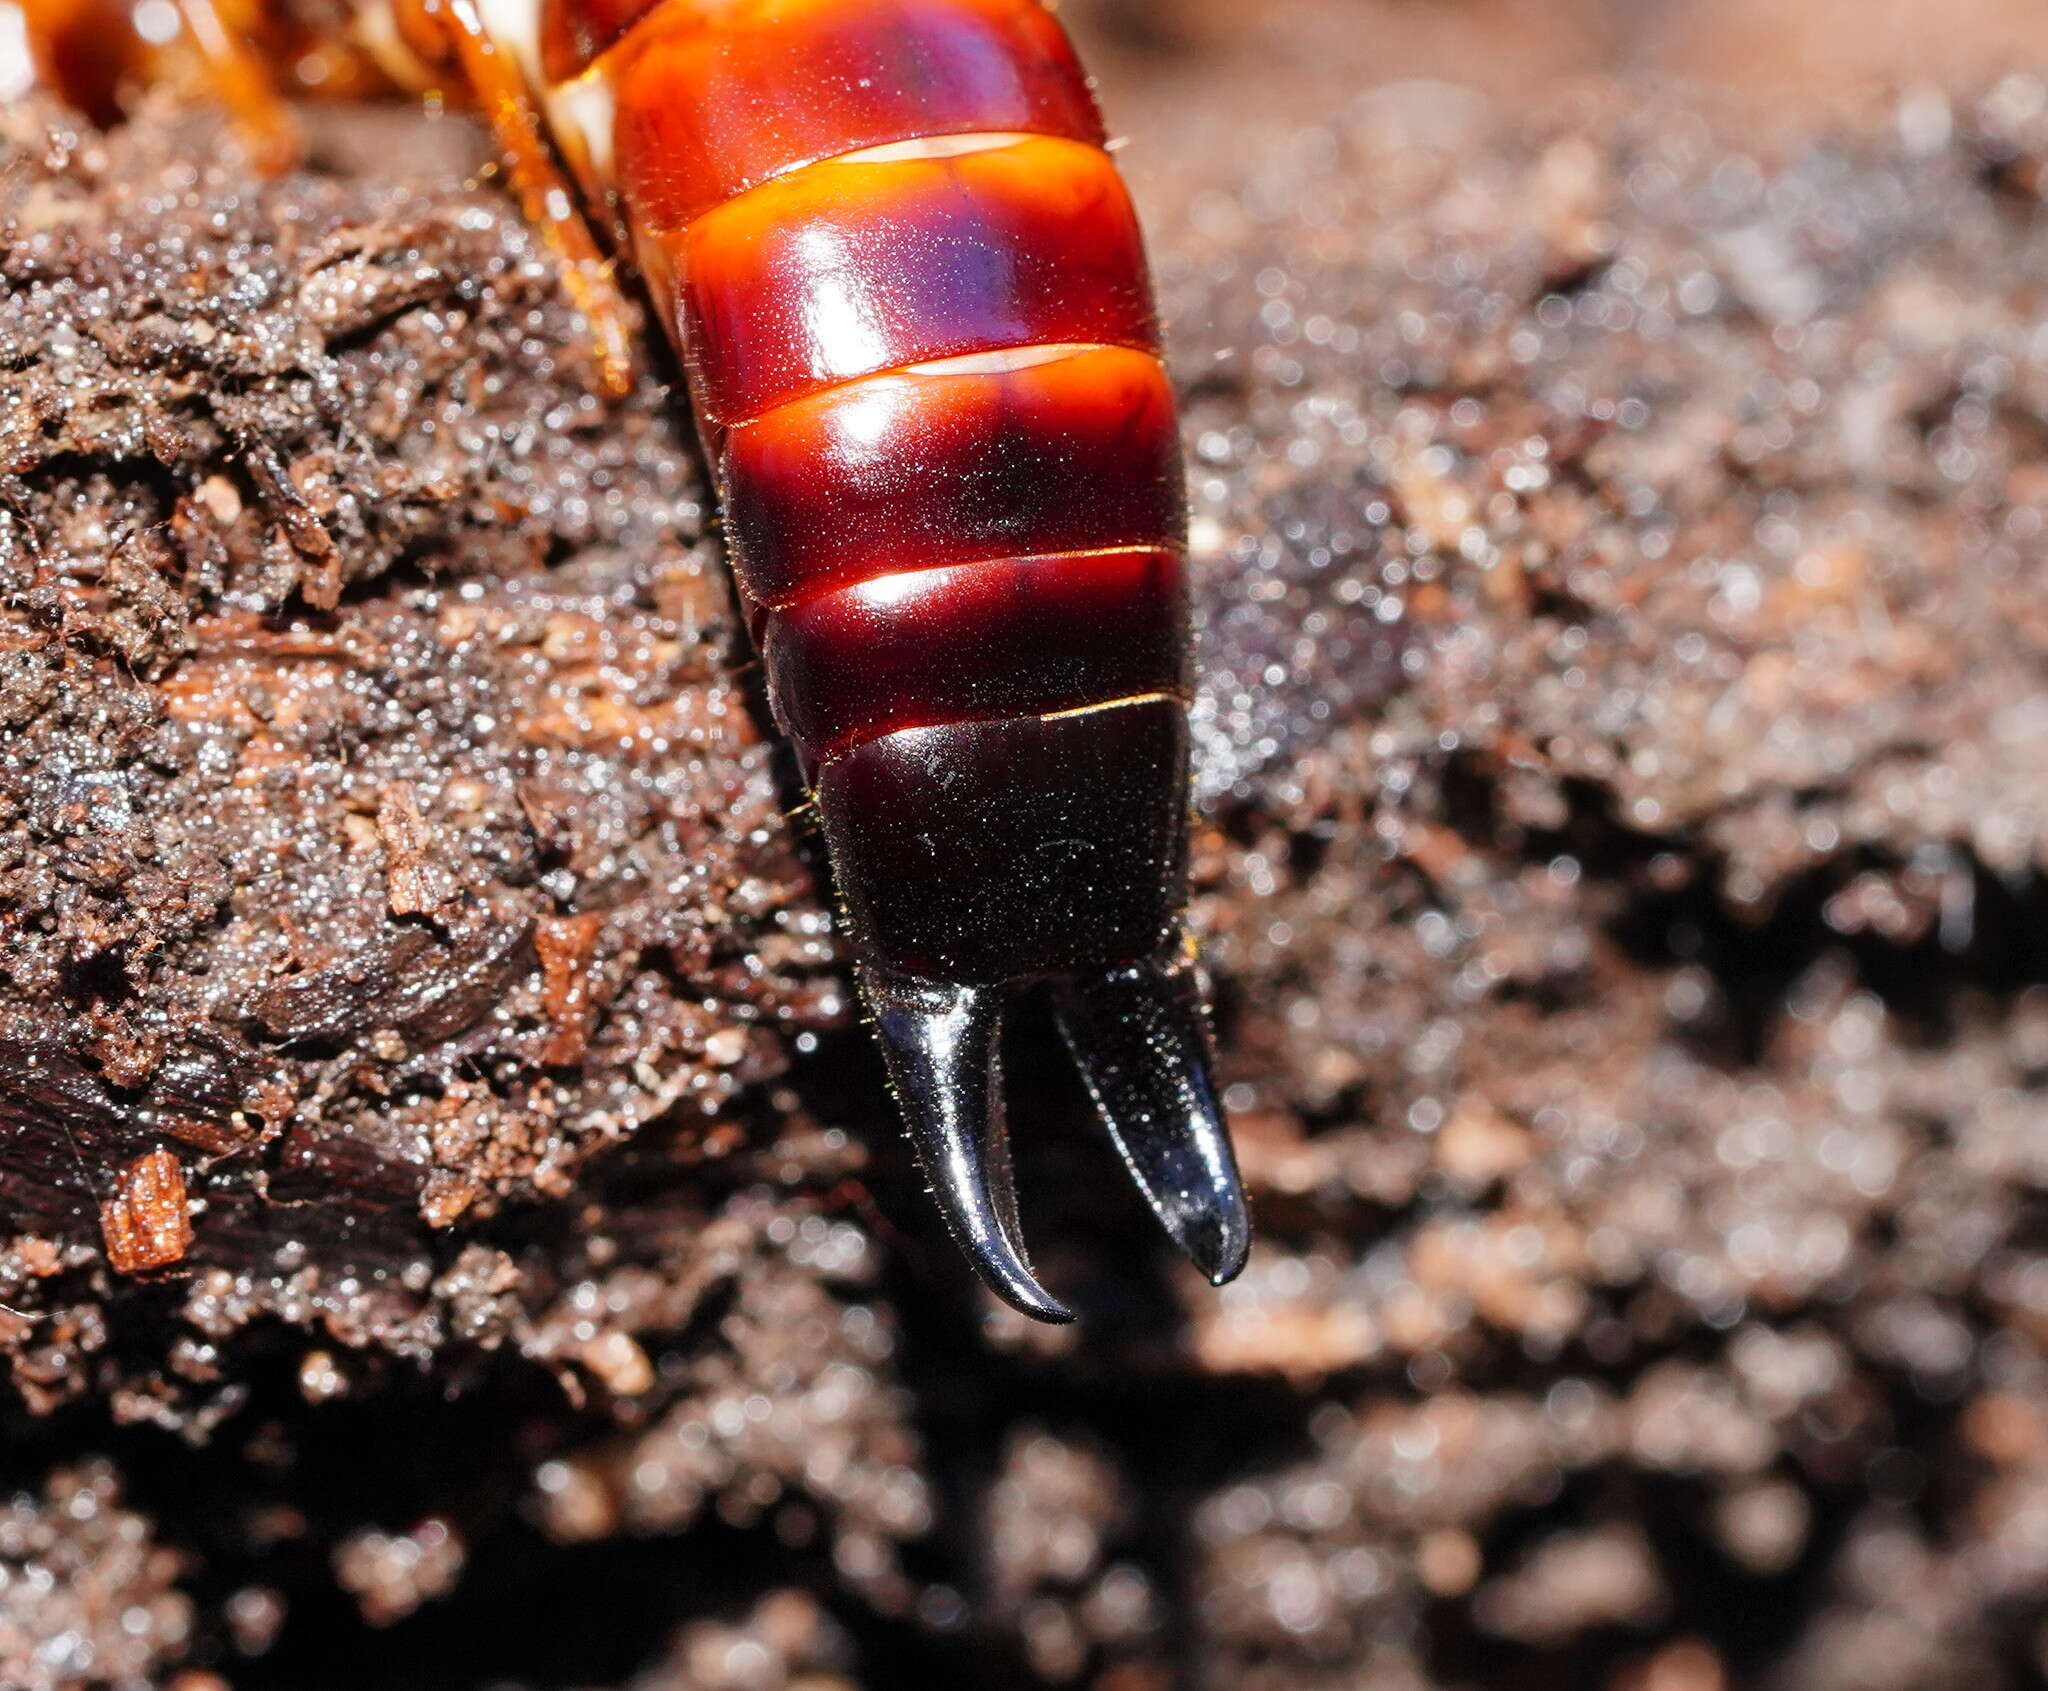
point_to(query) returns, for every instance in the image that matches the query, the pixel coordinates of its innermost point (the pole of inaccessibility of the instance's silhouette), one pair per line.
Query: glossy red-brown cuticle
(1016, 637)
(718, 100)
(850, 269)
(909, 470)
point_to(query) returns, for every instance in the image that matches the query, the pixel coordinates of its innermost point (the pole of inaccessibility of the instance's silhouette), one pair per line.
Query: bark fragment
(146, 1224)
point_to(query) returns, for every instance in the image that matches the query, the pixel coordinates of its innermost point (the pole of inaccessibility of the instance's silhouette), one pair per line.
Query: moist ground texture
(453, 1232)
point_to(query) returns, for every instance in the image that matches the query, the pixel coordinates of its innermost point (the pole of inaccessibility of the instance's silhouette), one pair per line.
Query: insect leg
(546, 195)
(1141, 1039)
(942, 1046)
(241, 84)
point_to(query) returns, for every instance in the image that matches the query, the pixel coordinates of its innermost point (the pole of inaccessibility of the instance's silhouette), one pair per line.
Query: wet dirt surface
(1617, 528)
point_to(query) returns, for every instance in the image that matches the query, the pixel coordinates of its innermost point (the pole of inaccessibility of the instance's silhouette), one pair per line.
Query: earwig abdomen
(911, 294)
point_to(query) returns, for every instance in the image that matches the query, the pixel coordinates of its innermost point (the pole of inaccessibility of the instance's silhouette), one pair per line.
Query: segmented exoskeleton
(909, 289)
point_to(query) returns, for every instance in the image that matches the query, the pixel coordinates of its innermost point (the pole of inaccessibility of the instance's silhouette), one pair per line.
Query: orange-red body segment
(715, 99)
(950, 465)
(851, 269)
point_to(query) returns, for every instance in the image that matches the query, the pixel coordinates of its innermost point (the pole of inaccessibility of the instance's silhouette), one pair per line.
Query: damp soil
(453, 1234)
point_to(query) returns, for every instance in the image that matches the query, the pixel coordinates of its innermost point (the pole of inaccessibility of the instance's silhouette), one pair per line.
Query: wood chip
(412, 888)
(446, 1196)
(566, 945)
(146, 1225)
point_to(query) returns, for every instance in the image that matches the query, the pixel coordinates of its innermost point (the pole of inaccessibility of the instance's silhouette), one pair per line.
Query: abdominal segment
(1006, 637)
(954, 462)
(855, 267)
(715, 99)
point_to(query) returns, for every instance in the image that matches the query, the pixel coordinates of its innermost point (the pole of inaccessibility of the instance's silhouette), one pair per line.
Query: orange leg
(87, 50)
(242, 85)
(545, 192)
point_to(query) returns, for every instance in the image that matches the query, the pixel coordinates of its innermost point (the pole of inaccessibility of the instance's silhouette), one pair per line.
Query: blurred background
(1805, 52)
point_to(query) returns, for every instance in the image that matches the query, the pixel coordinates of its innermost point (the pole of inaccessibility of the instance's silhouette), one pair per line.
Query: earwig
(908, 287)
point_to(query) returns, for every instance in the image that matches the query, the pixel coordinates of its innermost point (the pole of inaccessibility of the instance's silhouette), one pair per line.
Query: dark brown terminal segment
(716, 99)
(849, 269)
(946, 465)
(984, 851)
(1015, 637)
